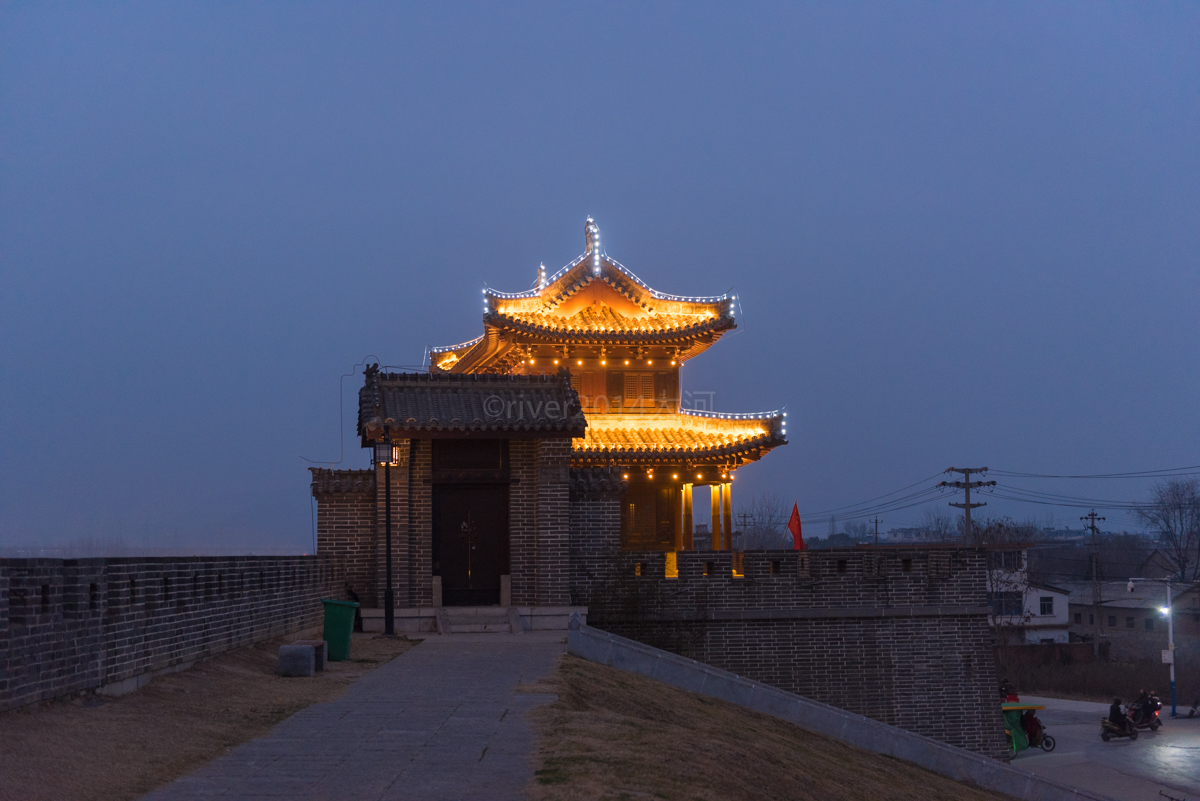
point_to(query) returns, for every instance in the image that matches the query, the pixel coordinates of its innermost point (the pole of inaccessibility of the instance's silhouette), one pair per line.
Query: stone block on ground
(320, 651)
(297, 660)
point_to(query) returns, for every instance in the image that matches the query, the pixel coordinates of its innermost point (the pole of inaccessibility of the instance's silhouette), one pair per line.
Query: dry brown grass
(615, 735)
(91, 748)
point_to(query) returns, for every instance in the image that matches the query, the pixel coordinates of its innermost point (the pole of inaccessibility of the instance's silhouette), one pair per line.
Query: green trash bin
(339, 624)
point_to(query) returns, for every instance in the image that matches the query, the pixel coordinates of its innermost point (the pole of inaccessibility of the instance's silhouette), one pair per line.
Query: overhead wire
(1000, 491)
(876, 498)
(1190, 470)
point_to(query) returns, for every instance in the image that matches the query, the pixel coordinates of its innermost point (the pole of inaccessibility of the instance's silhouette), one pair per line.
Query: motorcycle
(1109, 730)
(1145, 716)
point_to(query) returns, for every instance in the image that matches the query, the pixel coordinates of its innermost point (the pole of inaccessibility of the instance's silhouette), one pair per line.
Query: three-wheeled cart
(1023, 728)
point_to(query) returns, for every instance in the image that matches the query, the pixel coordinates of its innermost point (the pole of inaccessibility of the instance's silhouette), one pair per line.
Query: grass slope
(615, 735)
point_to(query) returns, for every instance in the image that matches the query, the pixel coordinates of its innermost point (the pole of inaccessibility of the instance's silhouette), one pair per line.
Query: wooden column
(689, 543)
(714, 492)
(727, 513)
(679, 522)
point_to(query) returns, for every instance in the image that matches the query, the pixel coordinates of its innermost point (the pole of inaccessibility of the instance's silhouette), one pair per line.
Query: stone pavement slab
(443, 721)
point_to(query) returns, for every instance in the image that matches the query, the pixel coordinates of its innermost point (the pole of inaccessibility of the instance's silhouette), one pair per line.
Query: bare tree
(858, 531)
(764, 524)
(938, 525)
(1173, 513)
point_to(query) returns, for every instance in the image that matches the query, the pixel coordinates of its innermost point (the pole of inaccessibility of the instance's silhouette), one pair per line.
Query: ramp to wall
(687, 674)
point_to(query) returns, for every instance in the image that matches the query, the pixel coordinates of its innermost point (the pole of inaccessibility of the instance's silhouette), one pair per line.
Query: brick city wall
(900, 636)
(346, 526)
(68, 625)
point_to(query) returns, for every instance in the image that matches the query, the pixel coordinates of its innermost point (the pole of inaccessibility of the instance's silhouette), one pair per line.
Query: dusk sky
(961, 234)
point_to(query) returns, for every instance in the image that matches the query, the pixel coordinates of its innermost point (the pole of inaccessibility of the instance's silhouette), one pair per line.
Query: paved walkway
(1157, 766)
(441, 721)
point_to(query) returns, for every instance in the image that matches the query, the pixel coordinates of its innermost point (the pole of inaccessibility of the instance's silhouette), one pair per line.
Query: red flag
(794, 527)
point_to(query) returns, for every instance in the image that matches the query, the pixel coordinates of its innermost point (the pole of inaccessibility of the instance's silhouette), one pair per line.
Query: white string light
(447, 348)
(728, 416)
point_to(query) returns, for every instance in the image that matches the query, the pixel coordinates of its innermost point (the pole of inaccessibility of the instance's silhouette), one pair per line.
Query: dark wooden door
(470, 543)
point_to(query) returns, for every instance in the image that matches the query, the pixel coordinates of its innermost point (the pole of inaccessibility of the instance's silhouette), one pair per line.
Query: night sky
(961, 234)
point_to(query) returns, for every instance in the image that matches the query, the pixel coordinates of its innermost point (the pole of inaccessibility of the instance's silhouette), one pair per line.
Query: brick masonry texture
(522, 517)
(68, 625)
(900, 636)
(346, 525)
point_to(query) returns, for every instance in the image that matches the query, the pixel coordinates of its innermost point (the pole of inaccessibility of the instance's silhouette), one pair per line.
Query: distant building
(1131, 625)
(1024, 612)
(909, 534)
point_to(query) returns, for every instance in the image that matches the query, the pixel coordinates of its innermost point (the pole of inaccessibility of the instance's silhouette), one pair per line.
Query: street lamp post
(1171, 645)
(386, 453)
(1166, 611)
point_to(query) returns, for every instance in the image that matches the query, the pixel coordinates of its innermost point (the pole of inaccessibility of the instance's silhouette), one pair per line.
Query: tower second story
(622, 342)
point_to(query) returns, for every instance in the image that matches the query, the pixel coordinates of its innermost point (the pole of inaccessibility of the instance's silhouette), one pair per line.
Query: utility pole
(1092, 518)
(967, 484)
(876, 521)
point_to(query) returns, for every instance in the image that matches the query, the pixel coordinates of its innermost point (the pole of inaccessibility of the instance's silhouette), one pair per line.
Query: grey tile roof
(425, 404)
(341, 482)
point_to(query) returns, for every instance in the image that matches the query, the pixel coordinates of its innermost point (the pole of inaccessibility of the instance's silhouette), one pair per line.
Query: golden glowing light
(579, 361)
(672, 362)
(556, 361)
(603, 362)
(649, 361)
(674, 476)
(627, 361)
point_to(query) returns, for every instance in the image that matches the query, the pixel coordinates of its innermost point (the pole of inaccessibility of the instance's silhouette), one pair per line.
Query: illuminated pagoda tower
(623, 344)
(545, 459)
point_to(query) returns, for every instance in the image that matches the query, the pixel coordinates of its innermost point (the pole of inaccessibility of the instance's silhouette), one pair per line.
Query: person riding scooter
(1117, 716)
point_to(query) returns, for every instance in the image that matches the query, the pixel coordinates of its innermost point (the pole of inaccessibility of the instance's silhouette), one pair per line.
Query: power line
(871, 500)
(1168, 471)
(917, 499)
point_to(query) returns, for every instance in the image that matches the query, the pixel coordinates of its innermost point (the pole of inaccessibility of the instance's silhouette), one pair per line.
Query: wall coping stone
(805, 613)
